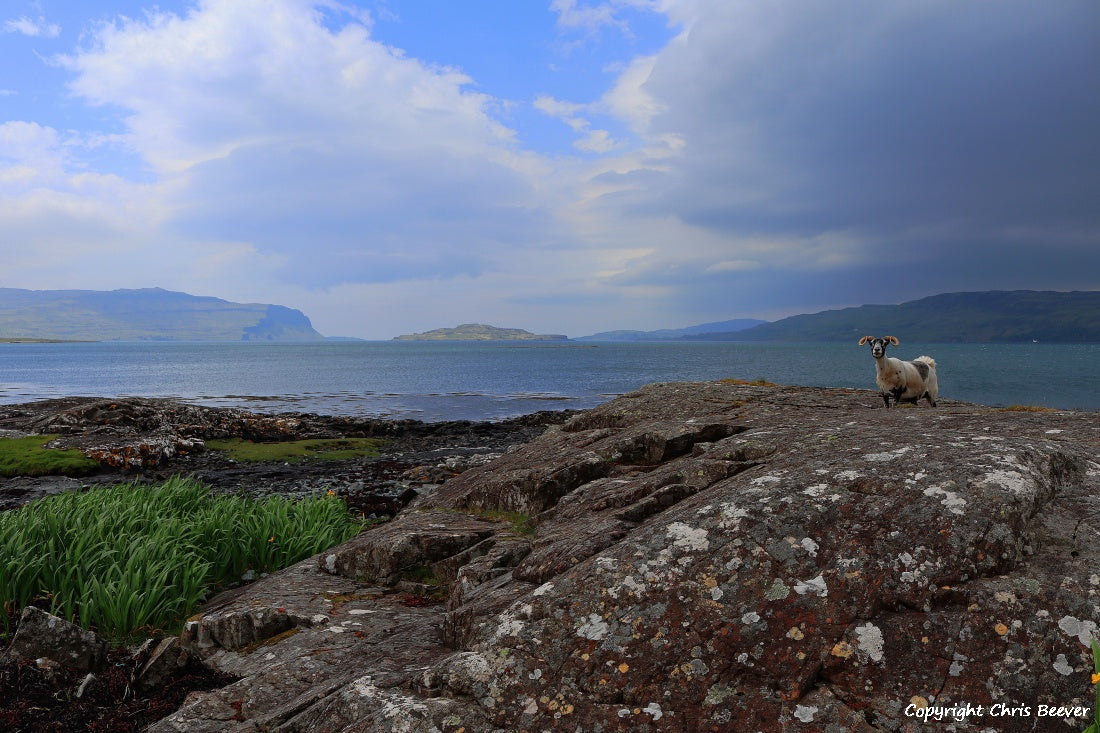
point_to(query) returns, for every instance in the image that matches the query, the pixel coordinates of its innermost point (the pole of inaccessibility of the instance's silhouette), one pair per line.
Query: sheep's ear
(893, 340)
(865, 339)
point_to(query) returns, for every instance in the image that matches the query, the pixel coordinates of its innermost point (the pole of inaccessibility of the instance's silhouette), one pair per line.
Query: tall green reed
(121, 558)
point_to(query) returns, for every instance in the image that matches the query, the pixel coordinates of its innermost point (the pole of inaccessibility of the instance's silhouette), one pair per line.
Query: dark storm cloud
(962, 135)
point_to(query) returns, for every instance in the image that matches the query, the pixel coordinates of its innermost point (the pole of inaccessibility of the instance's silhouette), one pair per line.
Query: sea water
(491, 380)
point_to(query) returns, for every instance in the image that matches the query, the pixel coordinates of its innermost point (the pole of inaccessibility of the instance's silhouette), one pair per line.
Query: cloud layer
(767, 159)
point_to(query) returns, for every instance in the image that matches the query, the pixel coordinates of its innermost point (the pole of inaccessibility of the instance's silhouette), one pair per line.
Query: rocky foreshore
(689, 557)
(152, 439)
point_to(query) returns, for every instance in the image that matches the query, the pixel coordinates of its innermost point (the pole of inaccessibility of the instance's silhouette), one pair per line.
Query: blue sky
(565, 166)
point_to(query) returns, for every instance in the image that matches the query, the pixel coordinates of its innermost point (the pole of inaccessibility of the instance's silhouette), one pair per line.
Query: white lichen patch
(805, 713)
(750, 618)
(543, 589)
(731, 516)
(360, 611)
(1085, 631)
(814, 586)
(816, 491)
(809, 546)
(770, 478)
(848, 475)
(594, 628)
(1015, 480)
(653, 709)
(954, 503)
(887, 455)
(510, 625)
(689, 538)
(870, 641)
(1062, 666)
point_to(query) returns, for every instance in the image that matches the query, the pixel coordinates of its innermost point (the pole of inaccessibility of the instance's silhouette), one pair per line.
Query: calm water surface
(441, 381)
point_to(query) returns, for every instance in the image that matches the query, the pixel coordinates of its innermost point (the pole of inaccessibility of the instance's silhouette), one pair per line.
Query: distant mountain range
(145, 314)
(981, 317)
(670, 334)
(479, 332)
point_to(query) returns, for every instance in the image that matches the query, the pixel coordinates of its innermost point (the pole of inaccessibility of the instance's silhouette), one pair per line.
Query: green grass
(522, 524)
(128, 557)
(1095, 727)
(27, 457)
(330, 449)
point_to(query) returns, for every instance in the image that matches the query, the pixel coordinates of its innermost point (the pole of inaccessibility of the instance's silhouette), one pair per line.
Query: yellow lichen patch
(796, 633)
(842, 649)
(919, 702)
(1000, 628)
(623, 668)
(566, 709)
(710, 582)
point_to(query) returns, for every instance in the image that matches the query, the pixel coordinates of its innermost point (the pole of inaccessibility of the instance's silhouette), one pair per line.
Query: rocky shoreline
(152, 439)
(697, 556)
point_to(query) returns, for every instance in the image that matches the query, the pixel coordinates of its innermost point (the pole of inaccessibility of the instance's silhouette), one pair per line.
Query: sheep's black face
(878, 348)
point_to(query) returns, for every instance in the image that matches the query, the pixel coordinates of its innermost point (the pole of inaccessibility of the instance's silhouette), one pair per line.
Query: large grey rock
(707, 556)
(41, 634)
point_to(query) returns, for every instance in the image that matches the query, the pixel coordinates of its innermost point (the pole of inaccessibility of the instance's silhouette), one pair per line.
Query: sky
(563, 166)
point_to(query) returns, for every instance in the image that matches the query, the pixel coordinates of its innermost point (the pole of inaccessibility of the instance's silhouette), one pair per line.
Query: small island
(480, 332)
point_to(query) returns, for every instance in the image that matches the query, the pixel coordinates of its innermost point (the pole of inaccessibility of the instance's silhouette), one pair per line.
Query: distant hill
(147, 314)
(668, 334)
(479, 332)
(981, 317)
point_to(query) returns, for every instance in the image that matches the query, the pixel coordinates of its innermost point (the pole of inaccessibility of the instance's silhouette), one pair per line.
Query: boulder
(41, 634)
(706, 556)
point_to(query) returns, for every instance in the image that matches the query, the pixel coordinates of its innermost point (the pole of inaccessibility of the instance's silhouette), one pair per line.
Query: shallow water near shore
(492, 380)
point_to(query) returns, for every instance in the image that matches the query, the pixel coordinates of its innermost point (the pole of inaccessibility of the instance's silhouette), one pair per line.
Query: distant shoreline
(20, 340)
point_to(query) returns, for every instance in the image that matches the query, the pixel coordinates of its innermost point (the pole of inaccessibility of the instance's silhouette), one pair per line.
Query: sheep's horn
(865, 339)
(893, 340)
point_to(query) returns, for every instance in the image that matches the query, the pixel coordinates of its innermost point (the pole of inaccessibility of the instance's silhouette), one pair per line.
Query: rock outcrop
(705, 556)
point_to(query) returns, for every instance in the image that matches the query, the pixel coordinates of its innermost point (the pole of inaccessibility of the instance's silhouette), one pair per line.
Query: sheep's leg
(931, 402)
(886, 398)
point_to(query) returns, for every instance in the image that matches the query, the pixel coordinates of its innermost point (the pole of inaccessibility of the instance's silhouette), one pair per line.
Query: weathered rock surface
(43, 635)
(707, 556)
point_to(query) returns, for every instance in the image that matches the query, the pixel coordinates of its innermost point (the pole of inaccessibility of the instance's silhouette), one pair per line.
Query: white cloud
(768, 153)
(37, 27)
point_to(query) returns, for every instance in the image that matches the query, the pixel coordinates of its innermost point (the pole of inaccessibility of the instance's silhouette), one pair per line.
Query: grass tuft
(761, 382)
(325, 449)
(126, 557)
(1027, 408)
(29, 457)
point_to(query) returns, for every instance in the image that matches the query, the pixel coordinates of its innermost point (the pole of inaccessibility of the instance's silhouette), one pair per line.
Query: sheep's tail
(927, 360)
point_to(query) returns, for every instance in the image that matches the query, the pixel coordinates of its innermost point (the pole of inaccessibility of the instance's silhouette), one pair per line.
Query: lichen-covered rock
(713, 556)
(41, 634)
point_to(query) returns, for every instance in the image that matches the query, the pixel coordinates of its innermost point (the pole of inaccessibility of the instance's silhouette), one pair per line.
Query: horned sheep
(904, 381)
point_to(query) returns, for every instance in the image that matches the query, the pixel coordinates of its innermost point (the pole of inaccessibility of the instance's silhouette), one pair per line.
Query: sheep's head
(878, 345)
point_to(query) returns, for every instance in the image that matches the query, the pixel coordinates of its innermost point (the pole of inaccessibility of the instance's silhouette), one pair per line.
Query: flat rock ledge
(705, 557)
